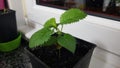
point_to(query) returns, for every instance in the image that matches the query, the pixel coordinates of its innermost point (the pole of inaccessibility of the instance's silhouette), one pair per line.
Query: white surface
(104, 59)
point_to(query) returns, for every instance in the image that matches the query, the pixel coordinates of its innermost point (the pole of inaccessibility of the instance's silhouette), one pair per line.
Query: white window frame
(33, 10)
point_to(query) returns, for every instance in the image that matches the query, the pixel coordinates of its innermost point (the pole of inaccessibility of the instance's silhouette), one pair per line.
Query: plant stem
(58, 31)
(58, 48)
(5, 10)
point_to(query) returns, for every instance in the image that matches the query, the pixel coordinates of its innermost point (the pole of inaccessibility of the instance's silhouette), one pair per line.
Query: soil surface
(61, 58)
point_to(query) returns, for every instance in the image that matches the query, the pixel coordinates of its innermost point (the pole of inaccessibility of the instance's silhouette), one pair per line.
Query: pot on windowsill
(58, 49)
(9, 36)
(49, 57)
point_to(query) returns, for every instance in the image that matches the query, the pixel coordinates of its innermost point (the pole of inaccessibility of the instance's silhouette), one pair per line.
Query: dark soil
(61, 58)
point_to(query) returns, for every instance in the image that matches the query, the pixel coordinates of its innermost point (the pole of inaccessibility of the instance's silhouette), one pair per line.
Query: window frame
(32, 8)
(103, 15)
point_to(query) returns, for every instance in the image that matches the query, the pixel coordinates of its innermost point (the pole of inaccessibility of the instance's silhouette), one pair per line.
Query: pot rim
(11, 45)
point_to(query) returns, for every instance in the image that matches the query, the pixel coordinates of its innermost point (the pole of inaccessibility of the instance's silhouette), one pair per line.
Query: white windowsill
(90, 18)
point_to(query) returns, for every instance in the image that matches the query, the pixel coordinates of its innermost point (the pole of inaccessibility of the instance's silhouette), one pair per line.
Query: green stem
(58, 31)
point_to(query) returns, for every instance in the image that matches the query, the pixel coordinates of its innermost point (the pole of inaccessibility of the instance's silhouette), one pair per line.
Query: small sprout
(51, 31)
(5, 10)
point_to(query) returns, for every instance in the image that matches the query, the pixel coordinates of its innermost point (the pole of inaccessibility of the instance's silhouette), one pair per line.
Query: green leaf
(50, 23)
(40, 37)
(67, 41)
(71, 16)
(51, 41)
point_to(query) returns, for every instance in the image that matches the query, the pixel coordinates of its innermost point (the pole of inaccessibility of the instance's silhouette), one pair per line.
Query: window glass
(104, 8)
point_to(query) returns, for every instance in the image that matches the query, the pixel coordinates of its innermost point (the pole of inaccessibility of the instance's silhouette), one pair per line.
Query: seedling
(51, 33)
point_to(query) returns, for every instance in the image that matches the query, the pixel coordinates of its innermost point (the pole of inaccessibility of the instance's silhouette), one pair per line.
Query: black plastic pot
(8, 27)
(81, 58)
